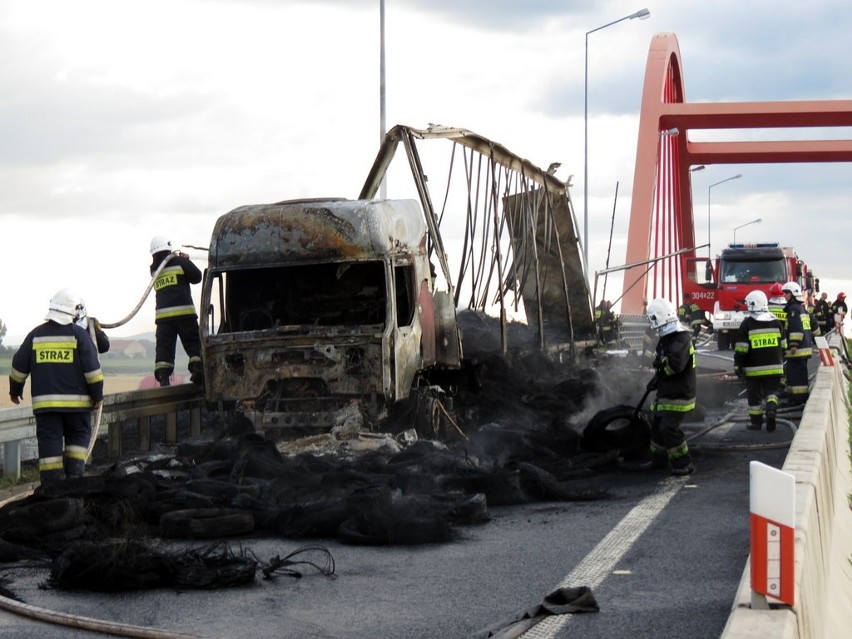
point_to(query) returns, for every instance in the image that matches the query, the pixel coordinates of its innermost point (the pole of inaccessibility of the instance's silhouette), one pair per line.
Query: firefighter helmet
(775, 290)
(756, 302)
(159, 244)
(64, 307)
(660, 313)
(793, 289)
(841, 296)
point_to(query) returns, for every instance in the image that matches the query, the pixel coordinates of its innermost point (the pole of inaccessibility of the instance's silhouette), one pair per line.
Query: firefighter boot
(72, 463)
(196, 373)
(682, 465)
(162, 376)
(655, 461)
(755, 417)
(770, 417)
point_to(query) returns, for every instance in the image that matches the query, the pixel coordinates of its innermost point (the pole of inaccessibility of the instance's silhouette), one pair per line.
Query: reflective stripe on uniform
(95, 376)
(674, 405)
(678, 451)
(76, 452)
(799, 354)
(175, 311)
(50, 463)
(61, 401)
(761, 371)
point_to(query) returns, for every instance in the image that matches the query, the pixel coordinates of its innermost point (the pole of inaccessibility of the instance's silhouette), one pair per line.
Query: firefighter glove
(653, 383)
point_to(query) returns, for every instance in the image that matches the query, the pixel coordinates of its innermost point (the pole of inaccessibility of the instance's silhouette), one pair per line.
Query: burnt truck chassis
(324, 312)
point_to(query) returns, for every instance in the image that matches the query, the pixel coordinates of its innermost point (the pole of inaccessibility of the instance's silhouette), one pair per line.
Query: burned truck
(315, 311)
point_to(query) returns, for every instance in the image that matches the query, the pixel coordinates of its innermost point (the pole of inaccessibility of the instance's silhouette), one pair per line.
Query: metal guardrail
(18, 424)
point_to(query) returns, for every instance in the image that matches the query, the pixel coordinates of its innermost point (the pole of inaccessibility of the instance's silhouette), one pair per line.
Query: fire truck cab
(719, 286)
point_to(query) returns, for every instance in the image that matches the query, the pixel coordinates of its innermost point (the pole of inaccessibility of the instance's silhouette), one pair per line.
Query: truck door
(407, 329)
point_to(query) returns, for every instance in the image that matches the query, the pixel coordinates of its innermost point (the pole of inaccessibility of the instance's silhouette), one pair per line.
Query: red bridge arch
(661, 217)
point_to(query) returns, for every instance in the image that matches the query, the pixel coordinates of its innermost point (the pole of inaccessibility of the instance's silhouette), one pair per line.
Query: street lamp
(735, 177)
(642, 14)
(742, 225)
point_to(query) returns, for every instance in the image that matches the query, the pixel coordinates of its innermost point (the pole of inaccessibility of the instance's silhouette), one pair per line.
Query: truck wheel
(429, 420)
(722, 341)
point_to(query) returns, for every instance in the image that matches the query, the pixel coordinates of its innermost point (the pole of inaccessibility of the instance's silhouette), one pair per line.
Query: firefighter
(810, 307)
(799, 344)
(838, 311)
(607, 323)
(67, 383)
(822, 310)
(175, 314)
(777, 302)
(691, 315)
(674, 382)
(759, 359)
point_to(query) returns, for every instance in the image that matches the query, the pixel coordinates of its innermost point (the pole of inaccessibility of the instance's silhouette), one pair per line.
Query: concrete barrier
(819, 458)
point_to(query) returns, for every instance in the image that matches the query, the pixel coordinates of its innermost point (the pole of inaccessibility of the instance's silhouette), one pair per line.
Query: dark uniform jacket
(821, 314)
(798, 330)
(778, 310)
(690, 314)
(759, 349)
(839, 306)
(174, 297)
(675, 364)
(64, 366)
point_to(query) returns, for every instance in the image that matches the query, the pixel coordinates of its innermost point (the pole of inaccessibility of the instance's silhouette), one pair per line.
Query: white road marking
(599, 563)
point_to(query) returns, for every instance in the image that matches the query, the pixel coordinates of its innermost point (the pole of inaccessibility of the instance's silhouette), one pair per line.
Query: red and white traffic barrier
(772, 505)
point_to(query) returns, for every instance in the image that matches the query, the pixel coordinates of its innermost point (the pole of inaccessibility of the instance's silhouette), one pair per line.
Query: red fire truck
(719, 287)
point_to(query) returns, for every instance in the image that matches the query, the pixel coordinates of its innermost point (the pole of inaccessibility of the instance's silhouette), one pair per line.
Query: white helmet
(160, 243)
(662, 313)
(794, 289)
(756, 302)
(64, 307)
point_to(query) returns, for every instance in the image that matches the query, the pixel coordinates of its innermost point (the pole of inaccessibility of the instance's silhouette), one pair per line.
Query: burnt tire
(621, 428)
(206, 523)
(39, 519)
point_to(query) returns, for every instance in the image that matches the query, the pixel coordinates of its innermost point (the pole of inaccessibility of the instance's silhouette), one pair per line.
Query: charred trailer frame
(313, 307)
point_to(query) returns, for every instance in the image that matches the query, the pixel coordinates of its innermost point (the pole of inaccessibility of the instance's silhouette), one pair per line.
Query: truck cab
(313, 309)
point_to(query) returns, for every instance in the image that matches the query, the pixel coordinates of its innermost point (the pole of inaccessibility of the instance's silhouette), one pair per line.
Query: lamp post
(734, 177)
(383, 188)
(642, 14)
(742, 225)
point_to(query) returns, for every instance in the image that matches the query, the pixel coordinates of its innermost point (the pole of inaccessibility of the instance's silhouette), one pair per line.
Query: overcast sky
(121, 120)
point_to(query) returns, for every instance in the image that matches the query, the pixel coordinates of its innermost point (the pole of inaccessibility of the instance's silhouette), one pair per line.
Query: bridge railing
(18, 424)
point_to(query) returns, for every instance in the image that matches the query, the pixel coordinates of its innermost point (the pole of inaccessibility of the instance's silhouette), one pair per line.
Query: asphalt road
(662, 556)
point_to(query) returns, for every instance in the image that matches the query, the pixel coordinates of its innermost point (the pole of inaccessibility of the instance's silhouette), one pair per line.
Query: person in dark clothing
(799, 345)
(822, 313)
(759, 359)
(691, 315)
(606, 322)
(67, 384)
(838, 311)
(175, 315)
(675, 384)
